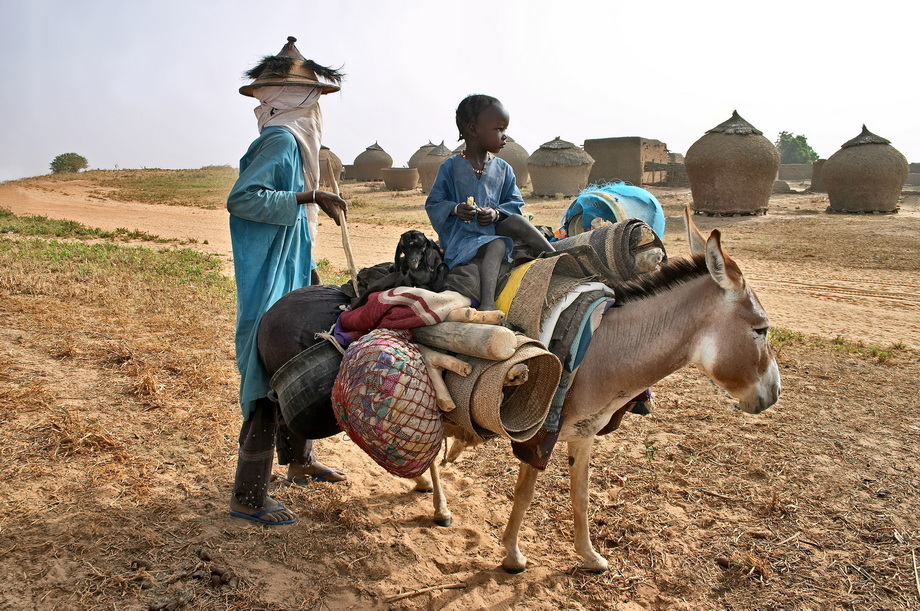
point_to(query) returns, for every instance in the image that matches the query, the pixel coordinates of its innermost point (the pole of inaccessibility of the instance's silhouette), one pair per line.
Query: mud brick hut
(400, 179)
(330, 167)
(817, 177)
(429, 164)
(368, 163)
(865, 175)
(625, 159)
(559, 166)
(795, 172)
(731, 169)
(421, 152)
(516, 156)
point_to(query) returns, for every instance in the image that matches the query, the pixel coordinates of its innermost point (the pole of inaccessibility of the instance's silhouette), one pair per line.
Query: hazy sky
(154, 83)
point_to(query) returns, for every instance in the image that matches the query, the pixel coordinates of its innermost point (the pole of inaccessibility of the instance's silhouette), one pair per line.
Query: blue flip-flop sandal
(257, 516)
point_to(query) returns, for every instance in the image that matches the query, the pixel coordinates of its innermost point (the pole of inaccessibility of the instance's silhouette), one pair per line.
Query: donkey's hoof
(596, 565)
(423, 484)
(445, 522)
(514, 570)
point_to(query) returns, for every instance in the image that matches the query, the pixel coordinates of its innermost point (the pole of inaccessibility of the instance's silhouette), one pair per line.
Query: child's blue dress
(455, 182)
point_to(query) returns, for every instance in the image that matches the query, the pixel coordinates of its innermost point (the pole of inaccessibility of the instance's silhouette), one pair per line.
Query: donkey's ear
(696, 239)
(722, 268)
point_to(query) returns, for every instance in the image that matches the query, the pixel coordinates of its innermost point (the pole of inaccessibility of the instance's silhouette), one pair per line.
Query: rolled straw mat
(617, 246)
(485, 407)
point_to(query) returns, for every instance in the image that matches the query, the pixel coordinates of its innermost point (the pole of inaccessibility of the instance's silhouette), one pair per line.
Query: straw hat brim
(276, 81)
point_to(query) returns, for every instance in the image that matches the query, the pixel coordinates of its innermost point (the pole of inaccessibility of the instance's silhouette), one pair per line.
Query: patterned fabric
(404, 307)
(384, 400)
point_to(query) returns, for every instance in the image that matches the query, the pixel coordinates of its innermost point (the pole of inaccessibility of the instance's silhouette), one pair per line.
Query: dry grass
(206, 187)
(118, 403)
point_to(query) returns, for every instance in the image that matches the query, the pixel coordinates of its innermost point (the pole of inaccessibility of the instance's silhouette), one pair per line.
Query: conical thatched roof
(513, 151)
(516, 156)
(428, 165)
(439, 151)
(735, 125)
(558, 152)
(421, 152)
(865, 137)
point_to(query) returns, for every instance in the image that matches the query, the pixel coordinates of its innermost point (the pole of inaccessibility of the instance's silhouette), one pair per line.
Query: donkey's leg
(579, 463)
(515, 561)
(441, 512)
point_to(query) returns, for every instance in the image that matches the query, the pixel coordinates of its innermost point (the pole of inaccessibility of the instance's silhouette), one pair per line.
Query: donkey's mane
(670, 275)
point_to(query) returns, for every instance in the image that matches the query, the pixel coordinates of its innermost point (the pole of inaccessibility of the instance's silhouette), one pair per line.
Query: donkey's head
(734, 350)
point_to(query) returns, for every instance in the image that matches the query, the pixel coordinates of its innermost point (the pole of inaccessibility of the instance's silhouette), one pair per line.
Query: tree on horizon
(794, 149)
(68, 162)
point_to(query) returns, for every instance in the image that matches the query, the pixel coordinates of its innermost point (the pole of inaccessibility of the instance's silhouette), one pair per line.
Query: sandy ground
(813, 296)
(812, 505)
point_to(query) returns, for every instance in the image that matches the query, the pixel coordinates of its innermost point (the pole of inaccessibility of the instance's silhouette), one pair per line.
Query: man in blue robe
(273, 216)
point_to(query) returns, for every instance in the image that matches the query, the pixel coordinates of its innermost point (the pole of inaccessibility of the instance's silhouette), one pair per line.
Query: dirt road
(816, 295)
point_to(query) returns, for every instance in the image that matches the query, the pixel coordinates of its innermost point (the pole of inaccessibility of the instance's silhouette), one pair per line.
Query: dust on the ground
(115, 477)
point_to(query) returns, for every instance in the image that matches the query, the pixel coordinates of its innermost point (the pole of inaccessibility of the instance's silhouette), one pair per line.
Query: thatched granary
(817, 176)
(368, 164)
(400, 179)
(429, 164)
(330, 168)
(421, 152)
(559, 167)
(865, 175)
(732, 169)
(516, 156)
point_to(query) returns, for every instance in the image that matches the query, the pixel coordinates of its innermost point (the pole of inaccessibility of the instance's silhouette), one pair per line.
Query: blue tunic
(454, 183)
(271, 245)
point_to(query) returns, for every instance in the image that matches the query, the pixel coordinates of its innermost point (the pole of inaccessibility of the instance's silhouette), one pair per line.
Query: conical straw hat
(289, 67)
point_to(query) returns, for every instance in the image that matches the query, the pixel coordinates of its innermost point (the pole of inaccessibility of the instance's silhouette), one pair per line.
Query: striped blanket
(403, 307)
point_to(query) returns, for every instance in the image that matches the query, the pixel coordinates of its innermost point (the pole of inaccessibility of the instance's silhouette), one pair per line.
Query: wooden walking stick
(346, 242)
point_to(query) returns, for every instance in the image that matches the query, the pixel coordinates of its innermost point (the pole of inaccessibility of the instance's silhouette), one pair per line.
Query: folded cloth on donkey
(569, 334)
(403, 307)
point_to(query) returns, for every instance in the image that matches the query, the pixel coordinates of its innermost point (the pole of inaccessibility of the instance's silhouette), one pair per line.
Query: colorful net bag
(384, 400)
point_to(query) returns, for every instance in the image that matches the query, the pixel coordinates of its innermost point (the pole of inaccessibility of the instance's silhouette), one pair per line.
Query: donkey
(698, 311)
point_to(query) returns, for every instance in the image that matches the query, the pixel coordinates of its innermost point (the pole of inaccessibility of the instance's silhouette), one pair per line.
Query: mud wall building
(625, 158)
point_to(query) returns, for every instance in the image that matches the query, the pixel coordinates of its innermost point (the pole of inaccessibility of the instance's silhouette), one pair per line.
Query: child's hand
(487, 216)
(465, 212)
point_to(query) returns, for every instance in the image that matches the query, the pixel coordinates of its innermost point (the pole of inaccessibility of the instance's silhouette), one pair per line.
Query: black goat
(418, 262)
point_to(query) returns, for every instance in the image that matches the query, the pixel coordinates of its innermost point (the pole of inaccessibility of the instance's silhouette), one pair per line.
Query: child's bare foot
(273, 513)
(317, 471)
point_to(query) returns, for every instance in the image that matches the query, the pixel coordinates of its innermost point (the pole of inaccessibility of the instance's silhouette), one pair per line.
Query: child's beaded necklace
(479, 172)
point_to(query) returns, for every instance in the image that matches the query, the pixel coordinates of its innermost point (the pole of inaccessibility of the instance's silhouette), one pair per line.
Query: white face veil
(296, 109)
